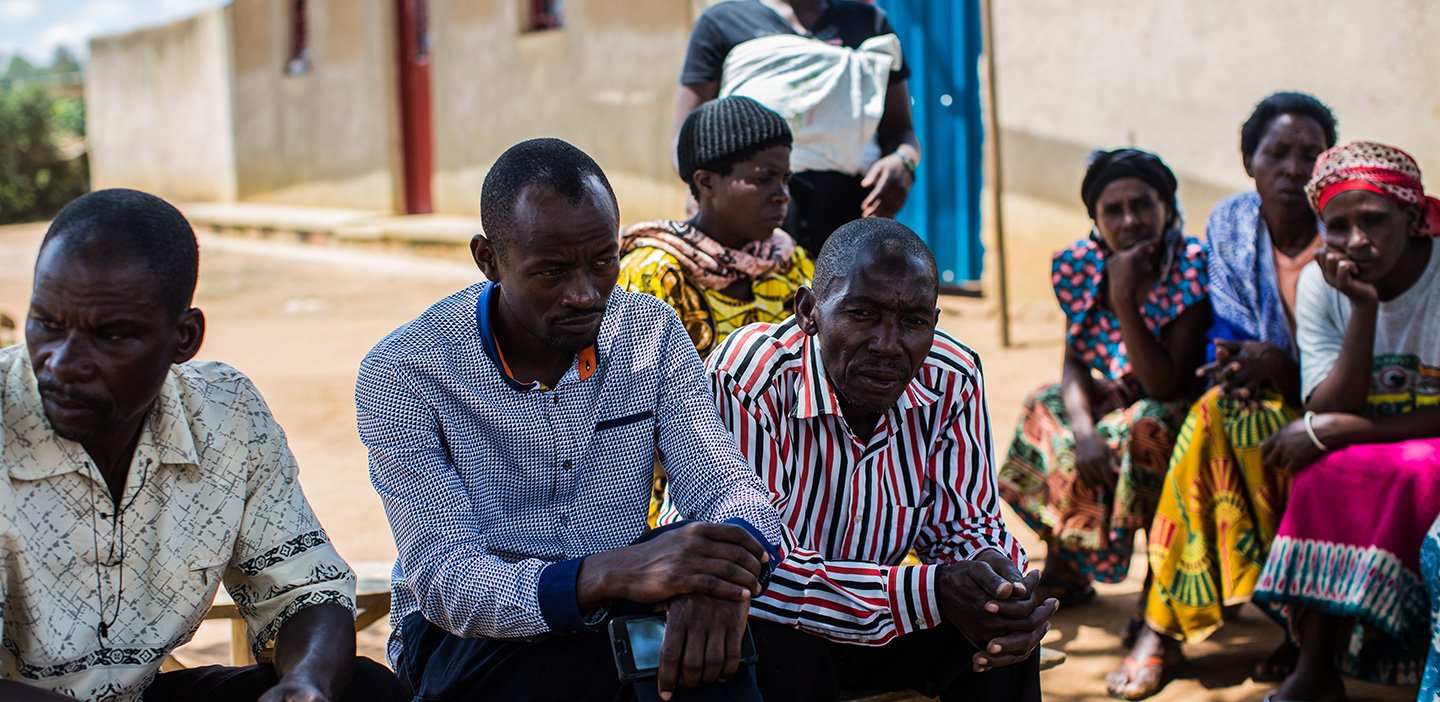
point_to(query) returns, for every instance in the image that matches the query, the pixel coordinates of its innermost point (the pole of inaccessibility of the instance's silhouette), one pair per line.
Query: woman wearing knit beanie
(730, 264)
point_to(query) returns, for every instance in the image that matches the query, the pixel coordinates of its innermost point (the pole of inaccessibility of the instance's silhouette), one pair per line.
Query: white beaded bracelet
(1310, 430)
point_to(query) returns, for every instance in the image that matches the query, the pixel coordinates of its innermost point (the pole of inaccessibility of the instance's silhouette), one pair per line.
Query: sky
(34, 28)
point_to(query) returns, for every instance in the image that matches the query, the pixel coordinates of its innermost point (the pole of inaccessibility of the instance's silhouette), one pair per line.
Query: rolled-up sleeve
(283, 561)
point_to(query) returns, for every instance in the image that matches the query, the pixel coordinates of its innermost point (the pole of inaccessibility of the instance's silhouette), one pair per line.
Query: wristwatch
(907, 161)
(595, 618)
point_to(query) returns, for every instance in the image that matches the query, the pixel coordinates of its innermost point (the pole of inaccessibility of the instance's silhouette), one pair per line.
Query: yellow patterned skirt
(1218, 513)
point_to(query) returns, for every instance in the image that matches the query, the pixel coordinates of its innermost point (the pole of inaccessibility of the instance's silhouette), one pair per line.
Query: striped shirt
(497, 490)
(925, 481)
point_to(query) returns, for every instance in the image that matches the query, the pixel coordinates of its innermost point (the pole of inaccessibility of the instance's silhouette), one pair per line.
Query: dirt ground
(297, 319)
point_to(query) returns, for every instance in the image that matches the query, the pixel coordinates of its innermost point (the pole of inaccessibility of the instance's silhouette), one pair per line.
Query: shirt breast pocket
(605, 425)
(626, 441)
(192, 590)
(206, 573)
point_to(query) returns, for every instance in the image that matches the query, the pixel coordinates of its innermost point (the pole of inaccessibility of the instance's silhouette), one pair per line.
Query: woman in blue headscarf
(1221, 505)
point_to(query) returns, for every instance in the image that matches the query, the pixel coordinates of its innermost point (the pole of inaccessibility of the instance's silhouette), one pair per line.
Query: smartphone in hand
(635, 640)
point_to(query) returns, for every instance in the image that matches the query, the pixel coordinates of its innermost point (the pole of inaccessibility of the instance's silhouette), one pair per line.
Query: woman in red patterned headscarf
(1345, 564)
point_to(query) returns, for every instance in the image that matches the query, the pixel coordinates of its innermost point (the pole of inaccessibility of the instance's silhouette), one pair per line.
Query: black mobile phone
(635, 640)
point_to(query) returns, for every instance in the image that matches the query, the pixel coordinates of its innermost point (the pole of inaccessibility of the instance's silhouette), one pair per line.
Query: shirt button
(857, 520)
(568, 465)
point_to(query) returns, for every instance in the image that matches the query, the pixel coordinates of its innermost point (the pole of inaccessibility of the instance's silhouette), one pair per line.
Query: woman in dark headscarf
(1090, 453)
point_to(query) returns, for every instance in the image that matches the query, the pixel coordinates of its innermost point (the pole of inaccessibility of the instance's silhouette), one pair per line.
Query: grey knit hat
(719, 131)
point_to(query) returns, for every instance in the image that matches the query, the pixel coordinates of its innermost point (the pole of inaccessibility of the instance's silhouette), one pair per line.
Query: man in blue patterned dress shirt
(512, 431)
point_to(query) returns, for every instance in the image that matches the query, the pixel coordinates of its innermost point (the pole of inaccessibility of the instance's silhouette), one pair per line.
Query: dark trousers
(821, 201)
(798, 667)
(218, 683)
(437, 665)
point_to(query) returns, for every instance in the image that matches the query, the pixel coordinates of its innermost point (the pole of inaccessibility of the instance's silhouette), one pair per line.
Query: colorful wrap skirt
(1349, 545)
(1430, 572)
(1093, 528)
(1219, 510)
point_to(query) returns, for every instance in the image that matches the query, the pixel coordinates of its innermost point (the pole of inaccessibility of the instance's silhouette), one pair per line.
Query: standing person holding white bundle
(834, 70)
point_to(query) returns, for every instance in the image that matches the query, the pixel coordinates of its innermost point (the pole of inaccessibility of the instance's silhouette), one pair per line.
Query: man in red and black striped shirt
(869, 427)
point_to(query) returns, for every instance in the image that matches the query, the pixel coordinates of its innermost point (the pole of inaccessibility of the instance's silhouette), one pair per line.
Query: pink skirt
(1349, 545)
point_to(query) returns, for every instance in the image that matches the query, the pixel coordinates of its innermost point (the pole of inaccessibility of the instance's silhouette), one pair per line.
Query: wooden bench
(372, 604)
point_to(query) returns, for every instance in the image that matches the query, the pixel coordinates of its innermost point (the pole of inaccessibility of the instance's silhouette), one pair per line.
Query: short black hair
(1284, 103)
(551, 163)
(871, 234)
(131, 225)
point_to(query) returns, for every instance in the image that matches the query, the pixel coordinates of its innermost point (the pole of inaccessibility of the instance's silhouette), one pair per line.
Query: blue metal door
(941, 40)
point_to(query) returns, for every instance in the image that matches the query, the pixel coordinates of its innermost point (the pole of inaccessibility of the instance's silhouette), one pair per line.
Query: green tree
(19, 70)
(36, 179)
(65, 63)
(67, 115)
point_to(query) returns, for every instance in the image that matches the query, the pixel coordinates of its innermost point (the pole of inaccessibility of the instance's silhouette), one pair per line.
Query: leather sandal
(1143, 677)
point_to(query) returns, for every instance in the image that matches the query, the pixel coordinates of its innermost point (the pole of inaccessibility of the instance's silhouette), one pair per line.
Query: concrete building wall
(605, 82)
(1179, 78)
(328, 136)
(158, 109)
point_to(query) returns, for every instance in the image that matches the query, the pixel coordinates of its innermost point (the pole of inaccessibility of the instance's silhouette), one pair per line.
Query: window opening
(546, 14)
(299, 62)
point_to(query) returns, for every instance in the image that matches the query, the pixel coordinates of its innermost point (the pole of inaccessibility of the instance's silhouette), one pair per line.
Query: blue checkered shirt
(496, 490)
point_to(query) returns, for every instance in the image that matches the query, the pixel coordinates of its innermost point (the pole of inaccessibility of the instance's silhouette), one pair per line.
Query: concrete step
(325, 225)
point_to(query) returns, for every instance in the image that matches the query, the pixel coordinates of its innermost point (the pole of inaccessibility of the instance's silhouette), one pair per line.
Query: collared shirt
(925, 481)
(496, 490)
(211, 495)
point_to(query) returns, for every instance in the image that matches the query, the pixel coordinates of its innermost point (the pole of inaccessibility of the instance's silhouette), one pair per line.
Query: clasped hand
(996, 609)
(718, 560)
(1242, 369)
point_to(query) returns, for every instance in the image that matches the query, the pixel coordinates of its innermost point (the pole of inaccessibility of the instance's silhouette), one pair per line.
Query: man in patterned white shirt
(133, 481)
(869, 427)
(513, 429)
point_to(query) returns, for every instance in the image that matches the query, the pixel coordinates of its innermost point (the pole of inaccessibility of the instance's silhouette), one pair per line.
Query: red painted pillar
(417, 145)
